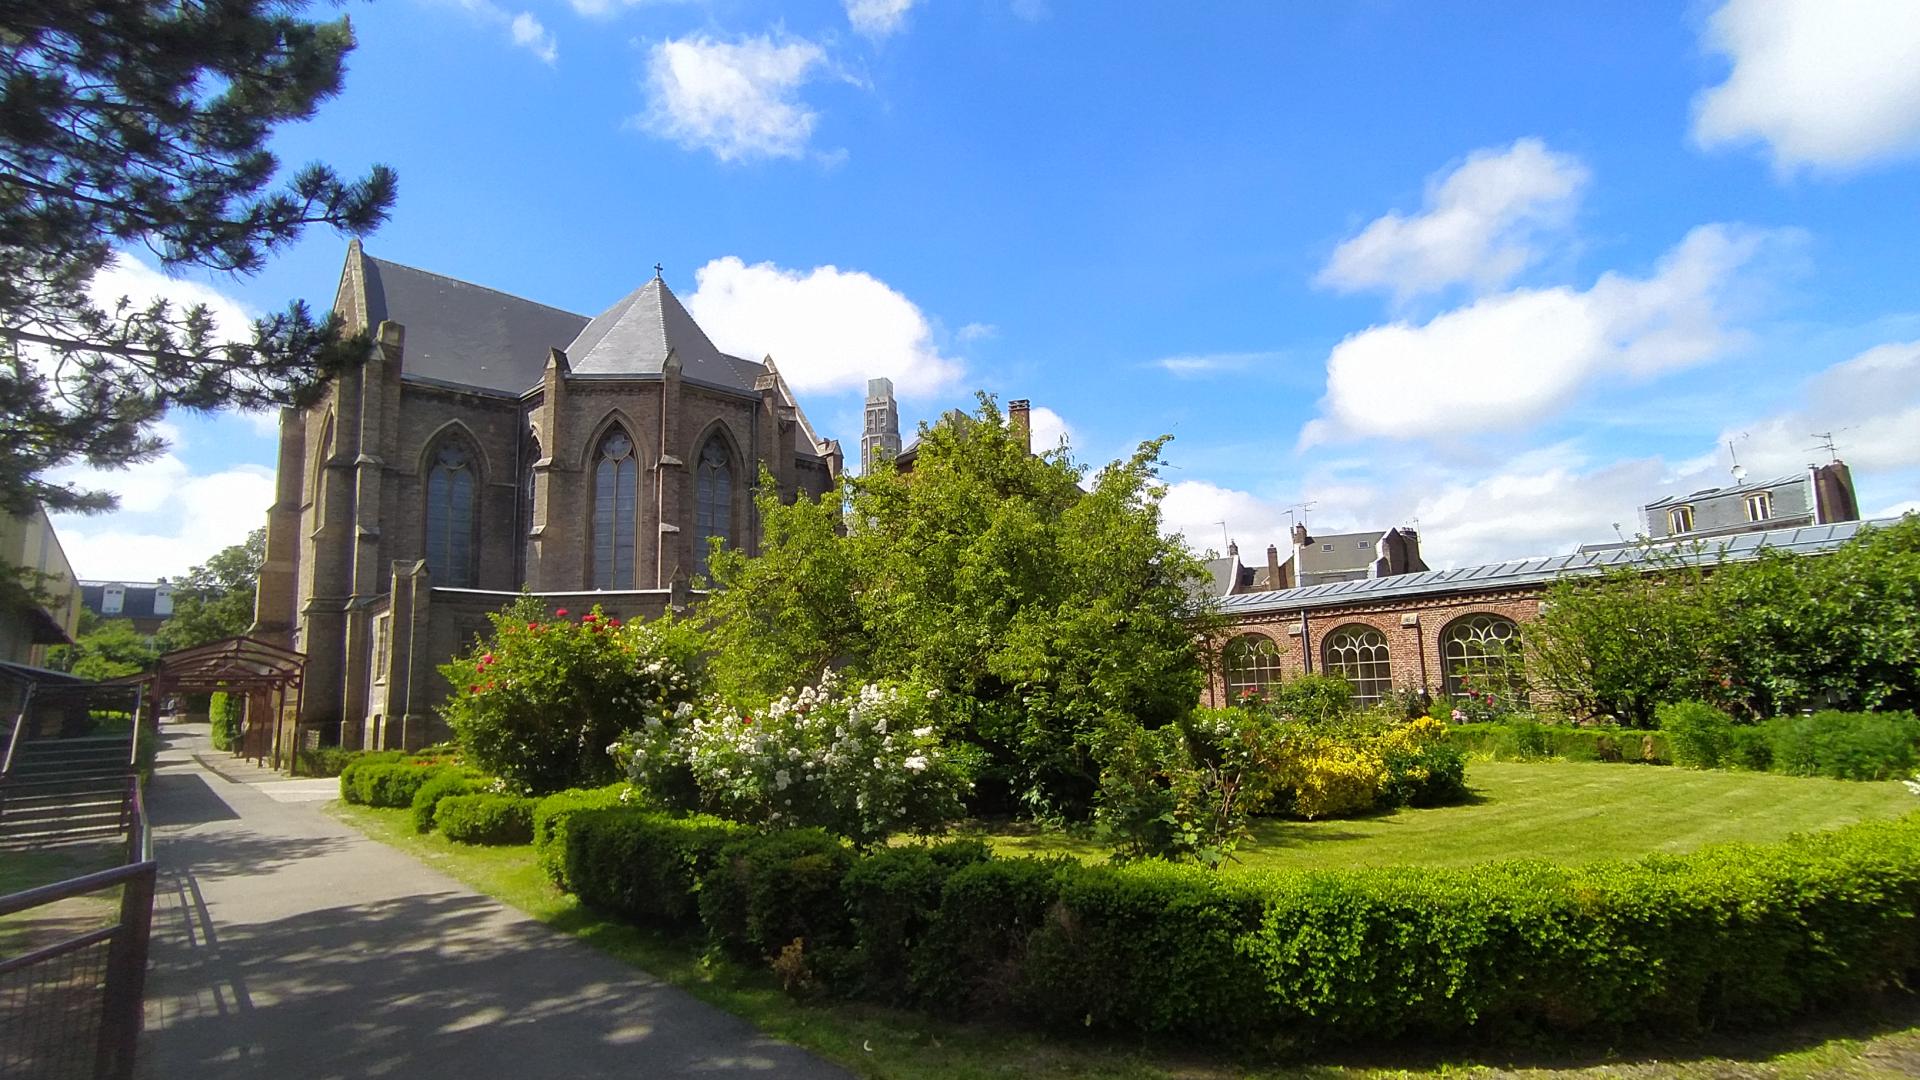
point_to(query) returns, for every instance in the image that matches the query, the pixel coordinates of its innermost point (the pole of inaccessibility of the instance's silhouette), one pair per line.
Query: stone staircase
(65, 791)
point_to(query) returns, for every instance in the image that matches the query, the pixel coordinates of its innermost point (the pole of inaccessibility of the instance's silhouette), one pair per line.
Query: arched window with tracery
(1358, 654)
(452, 513)
(1251, 663)
(1482, 652)
(713, 500)
(616, 475)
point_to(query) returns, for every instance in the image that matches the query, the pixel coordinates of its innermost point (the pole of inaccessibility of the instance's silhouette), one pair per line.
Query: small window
(382, 635)
(1363, 545)
(1326, 547)
(1679, 520)
(163, 600)
(1760, 506)
(113, 600)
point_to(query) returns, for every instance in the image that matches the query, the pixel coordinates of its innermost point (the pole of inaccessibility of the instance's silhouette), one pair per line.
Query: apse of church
(492, 444)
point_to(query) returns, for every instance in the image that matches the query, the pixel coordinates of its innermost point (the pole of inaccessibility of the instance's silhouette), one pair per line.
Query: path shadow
(442, 984)
(184, 798)
(238, 853)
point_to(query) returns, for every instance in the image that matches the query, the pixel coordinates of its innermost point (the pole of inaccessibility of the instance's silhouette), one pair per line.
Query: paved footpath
(288, 945)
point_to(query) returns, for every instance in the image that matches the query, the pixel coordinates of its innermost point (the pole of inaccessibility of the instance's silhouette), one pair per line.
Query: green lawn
(1568, 812)
(1557, 810)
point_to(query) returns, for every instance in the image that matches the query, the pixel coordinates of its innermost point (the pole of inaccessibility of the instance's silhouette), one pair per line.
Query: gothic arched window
(1252, 664)
(1481, 652)
(713, 500)
(615, 494)
(451, 514)
(1358, 654)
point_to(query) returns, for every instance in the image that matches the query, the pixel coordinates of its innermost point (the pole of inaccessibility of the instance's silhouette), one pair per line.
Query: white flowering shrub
(864, 761)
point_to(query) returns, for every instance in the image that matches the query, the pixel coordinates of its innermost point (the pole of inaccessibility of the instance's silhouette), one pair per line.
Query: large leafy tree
(215, 599)
(1046, 610)
(104, 649)
(143, 124)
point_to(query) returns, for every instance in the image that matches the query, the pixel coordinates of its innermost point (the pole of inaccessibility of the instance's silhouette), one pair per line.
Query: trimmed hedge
(223, 718)
(1528, 741)
(552, 814)
(325, 760)
(643, 865)
(377, 781)
(442, 785)
(485, 819)
(1734, 934)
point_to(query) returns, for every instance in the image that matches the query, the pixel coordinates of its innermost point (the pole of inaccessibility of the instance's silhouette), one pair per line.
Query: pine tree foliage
(143, 124)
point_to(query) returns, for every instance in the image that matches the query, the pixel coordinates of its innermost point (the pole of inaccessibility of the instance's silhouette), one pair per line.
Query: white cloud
(1196, 508)
(529, 34)
(1196, 365)
(1508, 360)
(525, 30)
(878, 18)
(827, 329)
(1479, 225)
(1869, 403)
(1048, 429)
(1824, 83)
(735, 100)
(1032, 11)
(169, 519)
(976, 331)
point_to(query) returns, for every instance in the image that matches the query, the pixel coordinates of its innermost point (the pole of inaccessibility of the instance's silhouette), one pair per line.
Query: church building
(491, 445)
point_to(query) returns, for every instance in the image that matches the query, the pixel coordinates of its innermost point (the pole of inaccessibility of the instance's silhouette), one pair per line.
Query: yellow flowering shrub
(1337, 779)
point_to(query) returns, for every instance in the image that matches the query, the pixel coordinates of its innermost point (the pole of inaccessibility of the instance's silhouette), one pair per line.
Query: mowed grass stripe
(1568, 812)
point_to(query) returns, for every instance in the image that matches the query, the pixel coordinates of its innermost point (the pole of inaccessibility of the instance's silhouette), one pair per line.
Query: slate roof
(634, 336)
(465, 334)
(1735, 489)
(1518, 573)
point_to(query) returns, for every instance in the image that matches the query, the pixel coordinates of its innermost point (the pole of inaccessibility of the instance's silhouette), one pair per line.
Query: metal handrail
(19, 725)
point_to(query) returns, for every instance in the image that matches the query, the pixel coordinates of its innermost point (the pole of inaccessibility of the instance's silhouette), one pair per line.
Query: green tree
(1045, 609)
(1620, 644)
(215, 599)
(105, 649)
(144, 123)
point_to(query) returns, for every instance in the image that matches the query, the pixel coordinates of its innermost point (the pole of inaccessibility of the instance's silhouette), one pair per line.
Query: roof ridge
(469, 284)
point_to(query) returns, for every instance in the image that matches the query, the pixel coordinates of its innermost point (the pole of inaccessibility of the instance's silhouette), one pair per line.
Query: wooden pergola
(267, 675)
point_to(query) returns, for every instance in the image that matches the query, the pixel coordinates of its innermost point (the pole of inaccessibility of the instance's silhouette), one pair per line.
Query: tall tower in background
(883, 424)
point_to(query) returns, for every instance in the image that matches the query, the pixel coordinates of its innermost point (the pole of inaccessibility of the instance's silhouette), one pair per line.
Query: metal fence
(72, 1007)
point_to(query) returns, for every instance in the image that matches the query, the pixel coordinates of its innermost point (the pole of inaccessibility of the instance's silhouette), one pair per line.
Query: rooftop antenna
(1617, 534)
(1302, 508)
(1224, 541)
(1826, 443)
(1739, 470)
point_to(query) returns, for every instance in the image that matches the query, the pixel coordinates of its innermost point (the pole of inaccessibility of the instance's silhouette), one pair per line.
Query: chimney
(1833, 498)
(1300, 537)
(1233, 549)
(1273, 567)
(1019, 417)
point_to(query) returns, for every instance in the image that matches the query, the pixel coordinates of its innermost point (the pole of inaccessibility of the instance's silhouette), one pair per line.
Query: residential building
(146, 604)
(40, 601)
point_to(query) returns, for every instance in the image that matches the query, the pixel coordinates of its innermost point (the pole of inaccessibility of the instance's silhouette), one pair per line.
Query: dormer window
(163, 600)
(1679, 520)
(1760, 506)
(113, 600)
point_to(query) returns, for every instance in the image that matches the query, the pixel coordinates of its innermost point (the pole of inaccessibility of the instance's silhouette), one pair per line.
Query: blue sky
(1508, 271)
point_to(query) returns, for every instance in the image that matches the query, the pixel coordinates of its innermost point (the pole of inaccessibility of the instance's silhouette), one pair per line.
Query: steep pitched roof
(634, 336)
(461, 333)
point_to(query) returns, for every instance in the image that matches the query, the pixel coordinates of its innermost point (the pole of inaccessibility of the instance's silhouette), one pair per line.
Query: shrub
(1701, 736)
(1336, 780)
(1845, 746)
(552, 814)
(485, 819)
(1536, 740)
(892, 896)
(350, 788)
(975, 947)
(387, 783)
(1423, 768)
(541, 700)
(223, 716)
(769, 890)
(1311, 699)
(1751, 748)
(325, 760)
(864, 763)
(444, 784)
(641, 864)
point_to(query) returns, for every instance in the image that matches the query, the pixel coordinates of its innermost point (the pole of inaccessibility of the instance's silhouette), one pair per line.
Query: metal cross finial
(657, 268)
